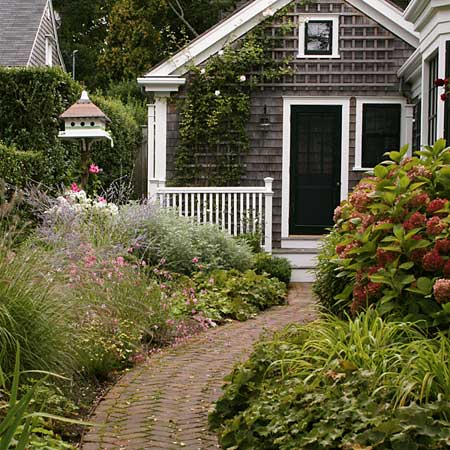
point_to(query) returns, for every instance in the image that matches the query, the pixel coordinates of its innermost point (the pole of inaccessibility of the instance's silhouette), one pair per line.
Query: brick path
(164, 403)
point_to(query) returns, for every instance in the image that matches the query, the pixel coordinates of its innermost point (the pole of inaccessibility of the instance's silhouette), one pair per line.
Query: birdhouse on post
(86, 122)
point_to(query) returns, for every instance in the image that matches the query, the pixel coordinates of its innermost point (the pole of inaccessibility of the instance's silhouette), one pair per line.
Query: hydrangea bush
(393, 239)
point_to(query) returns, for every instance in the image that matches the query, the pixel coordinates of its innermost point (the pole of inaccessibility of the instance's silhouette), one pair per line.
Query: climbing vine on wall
(216, 110)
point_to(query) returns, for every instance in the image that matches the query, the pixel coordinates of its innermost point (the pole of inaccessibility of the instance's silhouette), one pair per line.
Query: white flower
(268, 12)
(203, 71)
(217, 93)
(220, 53)
(242, 78)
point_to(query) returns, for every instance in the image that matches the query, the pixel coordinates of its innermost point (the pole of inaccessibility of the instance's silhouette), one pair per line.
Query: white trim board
(404, 127)
(288, 102)
(245, 19)
(334, 18)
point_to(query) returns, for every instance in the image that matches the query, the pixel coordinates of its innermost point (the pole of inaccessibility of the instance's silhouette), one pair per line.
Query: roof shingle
(19, 23)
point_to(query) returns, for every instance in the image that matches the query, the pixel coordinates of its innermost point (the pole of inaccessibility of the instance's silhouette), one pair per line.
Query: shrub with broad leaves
(393, 240)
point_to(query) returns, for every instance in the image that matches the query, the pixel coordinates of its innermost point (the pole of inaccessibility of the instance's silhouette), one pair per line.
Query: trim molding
(255, 12)
(288, 102)
(404, 127)
(161, 84)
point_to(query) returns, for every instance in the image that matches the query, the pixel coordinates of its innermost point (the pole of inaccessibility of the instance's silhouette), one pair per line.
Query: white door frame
(288, 102)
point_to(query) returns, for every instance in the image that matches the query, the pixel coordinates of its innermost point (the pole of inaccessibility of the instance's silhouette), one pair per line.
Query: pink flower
(435, 226)
(74, 187)
(101, 199)
(417, 220)
(439, 82)
(385, 256)
(120, 261)
(419, 200)
(441, 290)
(94, 169)
(195, 260)
(442, 246)
(436, 205)
(432, 261)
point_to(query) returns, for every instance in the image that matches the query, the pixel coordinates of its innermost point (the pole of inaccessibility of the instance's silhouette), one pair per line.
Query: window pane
(381, 132)
(318, 37)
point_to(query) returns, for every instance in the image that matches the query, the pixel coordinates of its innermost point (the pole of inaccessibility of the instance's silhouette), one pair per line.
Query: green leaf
(407, 265)
(380, 171)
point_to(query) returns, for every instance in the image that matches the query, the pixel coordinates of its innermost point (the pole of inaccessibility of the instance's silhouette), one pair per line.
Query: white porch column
(161, 87)
(407, 138)
(268, 214)
(151, 150)
(161, 137)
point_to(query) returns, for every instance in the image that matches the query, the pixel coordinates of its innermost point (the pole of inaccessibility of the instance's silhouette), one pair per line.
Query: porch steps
(302, 260)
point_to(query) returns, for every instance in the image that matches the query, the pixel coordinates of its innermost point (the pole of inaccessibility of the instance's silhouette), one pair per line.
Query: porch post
(151, 188)
(268, 215)
(161, 138)
(408, 124)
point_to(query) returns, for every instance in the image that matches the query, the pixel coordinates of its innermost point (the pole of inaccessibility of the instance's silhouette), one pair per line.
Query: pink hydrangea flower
(441, 290)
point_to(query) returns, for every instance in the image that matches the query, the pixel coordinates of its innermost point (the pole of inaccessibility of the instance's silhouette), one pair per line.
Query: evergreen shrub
(275, 267)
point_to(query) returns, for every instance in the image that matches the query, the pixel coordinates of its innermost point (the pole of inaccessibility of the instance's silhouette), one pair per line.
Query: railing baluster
(247, 212)
(235, 196)
(260, 211)
(223, 212)
(253, 213)
(229, 223)
(241, 215)
(210, 208)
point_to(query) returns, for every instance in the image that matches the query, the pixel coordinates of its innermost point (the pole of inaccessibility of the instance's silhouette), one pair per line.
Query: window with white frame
(319, 36)
(433, 91)
(48, 51)
(379, 129)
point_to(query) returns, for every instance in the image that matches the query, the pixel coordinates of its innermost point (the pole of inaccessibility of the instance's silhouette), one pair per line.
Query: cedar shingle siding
(24, 26)
(369, 59)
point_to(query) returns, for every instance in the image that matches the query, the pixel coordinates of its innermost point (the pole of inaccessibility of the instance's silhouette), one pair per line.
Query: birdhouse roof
(84, 108)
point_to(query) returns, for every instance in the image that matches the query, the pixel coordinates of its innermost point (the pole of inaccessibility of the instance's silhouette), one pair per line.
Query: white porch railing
(235, 209)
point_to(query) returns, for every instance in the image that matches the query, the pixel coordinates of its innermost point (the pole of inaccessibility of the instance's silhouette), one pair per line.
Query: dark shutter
(381, 132)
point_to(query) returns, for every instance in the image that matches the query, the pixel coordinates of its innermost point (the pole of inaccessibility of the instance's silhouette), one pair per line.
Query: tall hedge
(30, 102)
(118, 161)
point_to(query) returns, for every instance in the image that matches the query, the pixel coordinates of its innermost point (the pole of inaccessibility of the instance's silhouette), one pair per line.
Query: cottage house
(28, 34)
(362, 83)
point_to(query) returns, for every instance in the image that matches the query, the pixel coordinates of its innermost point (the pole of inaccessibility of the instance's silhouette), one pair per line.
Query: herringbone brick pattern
(163, 404)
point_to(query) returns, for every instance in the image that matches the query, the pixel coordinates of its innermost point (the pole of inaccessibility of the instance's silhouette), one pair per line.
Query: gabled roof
(243, 20)
(20, 21)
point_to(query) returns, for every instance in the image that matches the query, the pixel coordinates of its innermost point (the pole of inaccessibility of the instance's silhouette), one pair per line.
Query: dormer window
(49, 51)
(319, 36)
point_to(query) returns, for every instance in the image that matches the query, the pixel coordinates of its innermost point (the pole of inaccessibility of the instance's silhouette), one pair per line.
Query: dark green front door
(315, 167)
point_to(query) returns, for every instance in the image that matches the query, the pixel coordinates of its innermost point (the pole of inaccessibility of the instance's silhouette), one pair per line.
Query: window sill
(303, 56)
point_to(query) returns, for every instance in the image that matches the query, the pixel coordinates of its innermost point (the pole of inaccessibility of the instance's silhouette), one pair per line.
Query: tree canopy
(121, 39)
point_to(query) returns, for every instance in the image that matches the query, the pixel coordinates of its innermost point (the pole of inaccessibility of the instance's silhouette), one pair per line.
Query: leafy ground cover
(376, 375)
(94, 287)
(355, 384)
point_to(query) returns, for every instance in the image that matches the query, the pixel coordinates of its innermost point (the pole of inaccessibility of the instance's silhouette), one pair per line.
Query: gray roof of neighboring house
(19, 23)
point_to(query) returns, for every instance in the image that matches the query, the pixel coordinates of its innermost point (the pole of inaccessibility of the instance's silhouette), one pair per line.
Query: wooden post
(268, 214)
(85, 158)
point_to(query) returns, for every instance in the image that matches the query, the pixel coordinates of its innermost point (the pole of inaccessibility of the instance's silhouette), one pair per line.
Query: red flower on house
(436, 205)
(446, 269)
(385, 256)
(432, 261)
(420, 200)
(435, 226)
(417, 220)
(442, 246)
(441, 290)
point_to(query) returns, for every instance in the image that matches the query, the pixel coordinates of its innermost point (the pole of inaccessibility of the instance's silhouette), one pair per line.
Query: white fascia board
(55, 32)
(388, 16)
(421, 12)
(161, 83)
(213, 40)
(415, 9)
(411, 65)
(84, 133)
(248, 17)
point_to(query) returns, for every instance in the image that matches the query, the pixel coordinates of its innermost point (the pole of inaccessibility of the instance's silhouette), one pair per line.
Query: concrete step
(302, 260)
